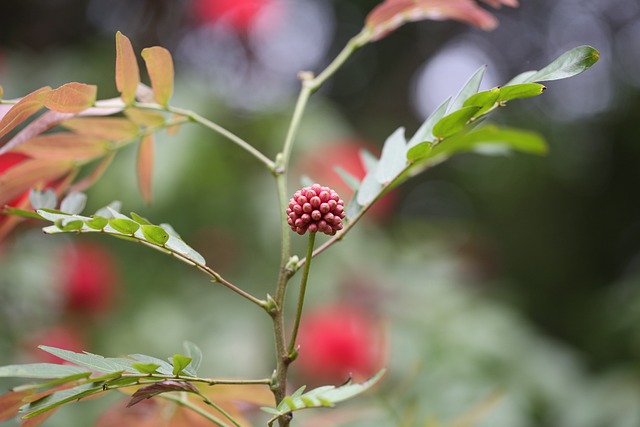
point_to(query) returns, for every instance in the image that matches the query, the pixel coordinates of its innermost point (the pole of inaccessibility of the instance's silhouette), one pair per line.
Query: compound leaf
(127, 71)
(160, 67)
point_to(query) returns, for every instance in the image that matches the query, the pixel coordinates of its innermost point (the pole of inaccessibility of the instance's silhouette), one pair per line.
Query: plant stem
(219, 409)
(224, 132)
(284, 354)
(219, 279)
(195, 408)
(354, 43)
(303, 289)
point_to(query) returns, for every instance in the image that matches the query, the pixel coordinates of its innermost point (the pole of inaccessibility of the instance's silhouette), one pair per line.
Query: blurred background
(498, 291)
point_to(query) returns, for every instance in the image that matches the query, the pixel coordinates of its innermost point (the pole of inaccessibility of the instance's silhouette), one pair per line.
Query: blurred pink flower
(337, 342)
(88, 279)
(239, 14)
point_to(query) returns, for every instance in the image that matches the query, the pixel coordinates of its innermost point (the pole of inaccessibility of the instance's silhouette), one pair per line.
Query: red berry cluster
(316, 208)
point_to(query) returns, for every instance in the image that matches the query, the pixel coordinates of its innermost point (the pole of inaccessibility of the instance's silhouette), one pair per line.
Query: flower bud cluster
(316, 208)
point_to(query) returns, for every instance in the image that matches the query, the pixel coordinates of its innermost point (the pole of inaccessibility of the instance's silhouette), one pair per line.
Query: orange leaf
(64, 145)
(71, 98)
(110, 128)
(145, 167)
(37, 126)
(11, 402)
(127, 71)
(1, 92)
(160, 67)
(24, 109)
(23, 176)
(144, 118)
(392, 14)
(95, 175)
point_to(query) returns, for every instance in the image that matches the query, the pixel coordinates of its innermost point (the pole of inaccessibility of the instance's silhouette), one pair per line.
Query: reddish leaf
(392, 14)
(161, 387)
(24, 109)
(160, 67)
(20, 178)
(95, 175)
(43, 123)
(110, 128)
(152, 413)
(11, 402)
(71, 98)
(145, 166)
(127, 71)
(64, 145)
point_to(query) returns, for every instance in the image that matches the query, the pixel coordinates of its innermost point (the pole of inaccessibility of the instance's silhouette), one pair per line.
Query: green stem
(217, 278)
(303, 289)
(284, 355)
(226, 133)
(219, 409)
(195, 408)
(354, 43)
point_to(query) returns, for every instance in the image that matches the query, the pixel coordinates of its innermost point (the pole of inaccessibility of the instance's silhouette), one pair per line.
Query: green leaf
(471, 87)
(489, 138)
(97, 222)
(393, 158)
(483, 99)
(8, 210)
(92, 361)
(187, 253)
(69, 224)
(194, 352)
(60, 398)
(569, 64)
(146, 368)
(370, 186)
(453, 122)
(326, 396)
(42, 370)
(124, 226)
(164, 367)
(419, 152)
(425, 132)
(524, 90)
(140, 220)
(155, 234)
(521, 78)
(179, 362)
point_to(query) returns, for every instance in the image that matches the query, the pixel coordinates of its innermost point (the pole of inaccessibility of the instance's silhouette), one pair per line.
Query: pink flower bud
(315, 208)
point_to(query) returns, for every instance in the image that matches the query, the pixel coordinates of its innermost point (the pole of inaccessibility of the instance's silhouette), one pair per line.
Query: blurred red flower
(88, 279)
(239, 14)
(7, 161)
(337, 342)
(343, 153)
